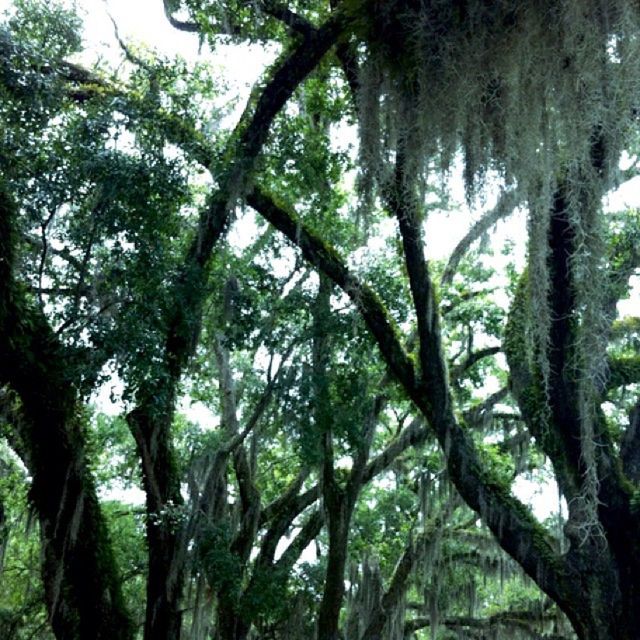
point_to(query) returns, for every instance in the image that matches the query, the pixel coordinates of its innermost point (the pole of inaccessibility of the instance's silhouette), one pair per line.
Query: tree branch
(302, 501)
(412, 436)
(458, 370)
(477, 412)
(294, 21)
(323, 257)
(507, 202)
(511, 522)
(520, 619)
(307, 534)
(288, 508)
(181, 25)
(151, 420)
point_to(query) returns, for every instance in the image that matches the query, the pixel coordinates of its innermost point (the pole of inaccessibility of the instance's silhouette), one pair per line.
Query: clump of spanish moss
(365, 592)
(590, 361)
(520, 87)
(543, 93)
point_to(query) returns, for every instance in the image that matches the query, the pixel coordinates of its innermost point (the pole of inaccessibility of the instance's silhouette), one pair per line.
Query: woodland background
(364, 413)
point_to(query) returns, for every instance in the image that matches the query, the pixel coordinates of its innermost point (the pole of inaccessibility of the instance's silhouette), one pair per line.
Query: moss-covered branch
(511, 522)
(521, 620)
(323, 257)
(82, 583)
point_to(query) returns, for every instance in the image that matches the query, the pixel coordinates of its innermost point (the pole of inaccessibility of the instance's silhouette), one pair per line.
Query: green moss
(515, 343)
(623, 370)
(635, 502)
(498, 464)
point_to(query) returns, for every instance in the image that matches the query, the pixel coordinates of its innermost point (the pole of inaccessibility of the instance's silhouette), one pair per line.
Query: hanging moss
(521, 87)
(543, 93)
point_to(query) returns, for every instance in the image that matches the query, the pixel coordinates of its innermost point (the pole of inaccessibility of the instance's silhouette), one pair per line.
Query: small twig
(45, 246)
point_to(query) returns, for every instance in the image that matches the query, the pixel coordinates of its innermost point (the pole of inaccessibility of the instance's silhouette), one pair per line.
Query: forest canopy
(366, 415)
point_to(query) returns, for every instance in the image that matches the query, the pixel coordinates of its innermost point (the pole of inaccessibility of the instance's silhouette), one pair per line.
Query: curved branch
(458, 370)
(288, 508)
(511, 522)
(181, 25)
(507, 202)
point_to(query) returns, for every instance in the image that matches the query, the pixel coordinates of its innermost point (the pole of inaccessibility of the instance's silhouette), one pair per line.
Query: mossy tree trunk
(607, 561)
(81, 581)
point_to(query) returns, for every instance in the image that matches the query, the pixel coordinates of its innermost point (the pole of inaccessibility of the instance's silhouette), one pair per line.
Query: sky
(142, 22)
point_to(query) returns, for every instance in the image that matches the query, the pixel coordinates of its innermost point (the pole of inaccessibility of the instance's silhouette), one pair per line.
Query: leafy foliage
(329, 441)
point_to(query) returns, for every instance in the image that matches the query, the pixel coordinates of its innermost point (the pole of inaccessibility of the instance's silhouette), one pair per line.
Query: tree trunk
(613, 604)
(81, 581)
(230, 624)
(337, 507)
(329, 613)
(82, 586)
(163, 618)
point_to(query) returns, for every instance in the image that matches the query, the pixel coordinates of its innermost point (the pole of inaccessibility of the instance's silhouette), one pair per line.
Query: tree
(113, 253)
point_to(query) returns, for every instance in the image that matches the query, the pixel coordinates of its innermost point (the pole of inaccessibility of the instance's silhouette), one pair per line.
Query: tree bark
(163, 618)
(81, 581)
(333, 593)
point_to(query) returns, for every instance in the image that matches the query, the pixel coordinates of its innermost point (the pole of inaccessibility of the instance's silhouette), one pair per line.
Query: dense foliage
(234, 314)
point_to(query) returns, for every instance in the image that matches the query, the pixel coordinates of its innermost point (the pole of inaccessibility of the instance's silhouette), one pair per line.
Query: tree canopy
(366, 414)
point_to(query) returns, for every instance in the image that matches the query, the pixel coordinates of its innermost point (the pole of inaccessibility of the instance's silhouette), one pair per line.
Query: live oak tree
(116, 196)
